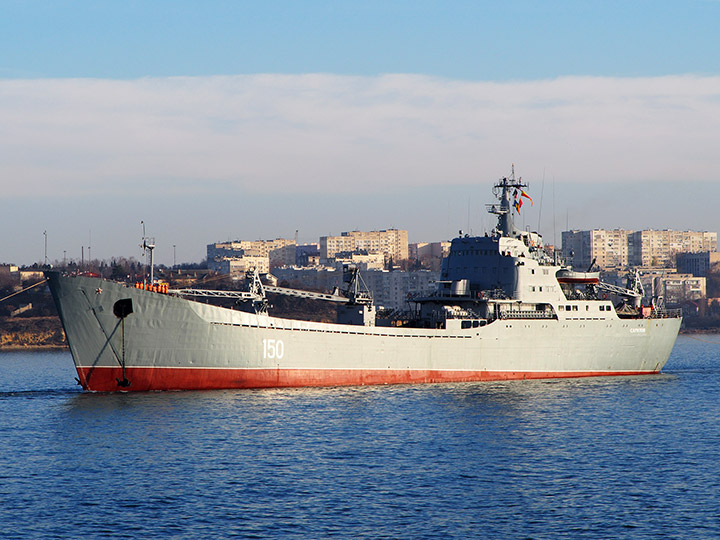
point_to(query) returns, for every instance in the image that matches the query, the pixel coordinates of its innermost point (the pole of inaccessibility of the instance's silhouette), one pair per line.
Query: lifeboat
(577, 278)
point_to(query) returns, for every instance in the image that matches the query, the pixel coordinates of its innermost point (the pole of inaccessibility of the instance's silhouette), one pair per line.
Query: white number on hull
(273, 348)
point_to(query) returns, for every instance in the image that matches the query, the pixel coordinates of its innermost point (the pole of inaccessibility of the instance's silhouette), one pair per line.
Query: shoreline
(33, 348)
(689, 331)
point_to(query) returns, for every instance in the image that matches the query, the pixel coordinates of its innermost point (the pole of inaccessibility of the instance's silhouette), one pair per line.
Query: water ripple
(635, 457)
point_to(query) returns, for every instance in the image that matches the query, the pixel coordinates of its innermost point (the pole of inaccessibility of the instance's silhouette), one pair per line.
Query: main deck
(168, 342)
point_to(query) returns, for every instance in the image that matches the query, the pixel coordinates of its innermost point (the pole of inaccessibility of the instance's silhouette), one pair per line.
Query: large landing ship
(503, 309)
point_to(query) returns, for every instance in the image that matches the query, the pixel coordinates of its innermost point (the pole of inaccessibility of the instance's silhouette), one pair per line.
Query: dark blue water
(635, 457)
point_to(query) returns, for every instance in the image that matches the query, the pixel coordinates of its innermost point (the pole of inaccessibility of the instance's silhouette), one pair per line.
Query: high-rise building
(608, 248)
(697, 264)
(393, 243)
(619, 248)
(658, 248)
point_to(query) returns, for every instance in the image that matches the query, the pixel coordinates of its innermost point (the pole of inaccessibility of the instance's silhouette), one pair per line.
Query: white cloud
(326, 133)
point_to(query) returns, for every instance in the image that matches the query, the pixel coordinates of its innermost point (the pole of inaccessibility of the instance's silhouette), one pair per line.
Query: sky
(213, 121)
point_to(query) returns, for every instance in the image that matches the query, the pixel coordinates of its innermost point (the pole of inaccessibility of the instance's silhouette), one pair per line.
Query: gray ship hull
(170, 343)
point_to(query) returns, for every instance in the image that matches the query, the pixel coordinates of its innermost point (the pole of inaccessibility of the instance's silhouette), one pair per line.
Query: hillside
(31, 333)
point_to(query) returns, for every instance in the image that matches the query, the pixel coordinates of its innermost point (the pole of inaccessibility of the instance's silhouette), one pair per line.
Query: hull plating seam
(104, 379)
(322, 331)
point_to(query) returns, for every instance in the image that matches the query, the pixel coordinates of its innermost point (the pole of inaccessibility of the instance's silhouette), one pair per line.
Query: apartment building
(608, 248)
(659, 248)
(263, 254)
(680, 288)
(390, 242)
(620, 248)
(237, 266)
(434, 250)
(389, 289)
(361, 259)
(697, 264)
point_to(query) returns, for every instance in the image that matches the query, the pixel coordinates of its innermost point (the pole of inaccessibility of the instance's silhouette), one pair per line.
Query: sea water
(618, 457)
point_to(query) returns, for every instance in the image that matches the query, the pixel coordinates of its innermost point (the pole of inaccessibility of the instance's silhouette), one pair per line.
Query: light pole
(45, 235)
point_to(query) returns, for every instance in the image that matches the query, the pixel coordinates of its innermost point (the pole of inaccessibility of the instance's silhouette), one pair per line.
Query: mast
(505, 189)
(148, 244)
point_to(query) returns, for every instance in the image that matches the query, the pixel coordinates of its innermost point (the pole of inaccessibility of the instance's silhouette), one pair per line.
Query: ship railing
(396, 314)
(212, 293)
(496, 209)
(666, 314)
(494, 294)
(517, 314)
(298, 293)
(461, 315)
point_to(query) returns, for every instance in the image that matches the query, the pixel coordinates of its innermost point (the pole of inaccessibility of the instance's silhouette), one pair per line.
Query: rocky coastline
(31, 333)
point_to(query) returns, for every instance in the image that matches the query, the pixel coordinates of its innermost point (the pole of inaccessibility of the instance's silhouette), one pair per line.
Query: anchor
(122, 308)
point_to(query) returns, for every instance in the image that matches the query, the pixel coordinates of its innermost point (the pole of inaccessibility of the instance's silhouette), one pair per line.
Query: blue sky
(220, 120)
(471, 40)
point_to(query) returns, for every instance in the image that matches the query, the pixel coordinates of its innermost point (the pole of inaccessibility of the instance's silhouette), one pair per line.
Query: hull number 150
(273, 348)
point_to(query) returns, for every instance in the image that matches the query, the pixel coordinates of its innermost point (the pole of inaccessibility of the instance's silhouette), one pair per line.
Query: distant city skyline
(248, 120)
(117, 232)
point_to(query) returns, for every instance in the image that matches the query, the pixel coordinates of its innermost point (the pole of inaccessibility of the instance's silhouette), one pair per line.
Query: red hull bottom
(146, 379)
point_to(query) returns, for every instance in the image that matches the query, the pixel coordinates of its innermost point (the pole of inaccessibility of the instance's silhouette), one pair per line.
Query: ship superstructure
(503, 309)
